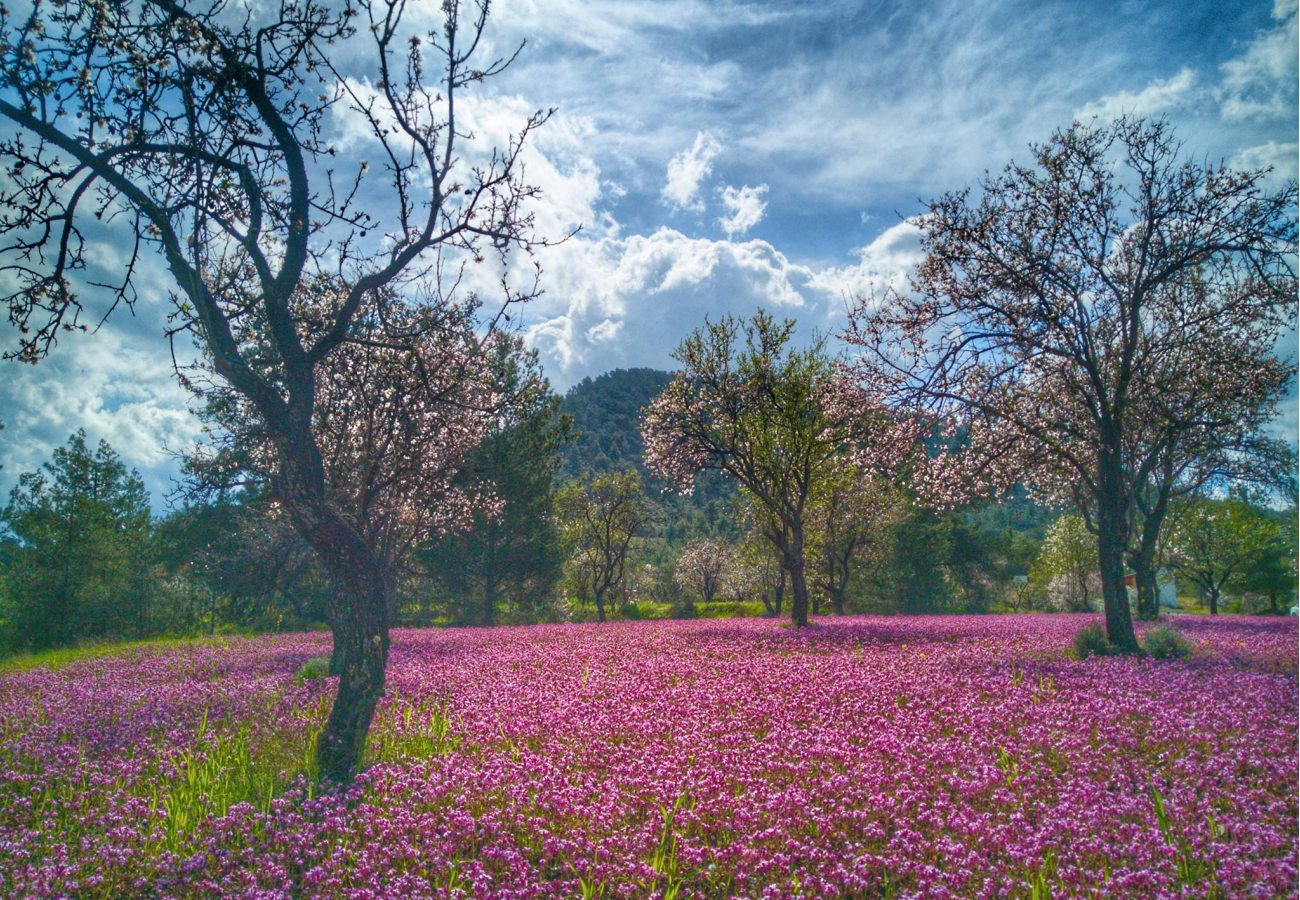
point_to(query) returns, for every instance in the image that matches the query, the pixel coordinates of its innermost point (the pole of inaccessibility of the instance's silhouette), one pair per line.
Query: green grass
(65, 656)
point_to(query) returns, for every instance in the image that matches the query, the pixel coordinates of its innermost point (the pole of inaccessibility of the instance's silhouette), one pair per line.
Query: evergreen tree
(80, 558)
(510, 553)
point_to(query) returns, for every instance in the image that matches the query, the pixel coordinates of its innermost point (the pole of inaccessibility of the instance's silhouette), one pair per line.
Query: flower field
(860, 758)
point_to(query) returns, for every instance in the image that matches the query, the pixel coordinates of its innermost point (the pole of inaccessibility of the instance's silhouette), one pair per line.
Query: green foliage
(1166, 642)
(606, 413)
(1215, 541)
(406, 729)
(509, 561)
(1067, 561)
(315, 668)
(599, 516)
(729, 609)
(78, 560)
(224, 766)
(1092, 641)
(934, 562)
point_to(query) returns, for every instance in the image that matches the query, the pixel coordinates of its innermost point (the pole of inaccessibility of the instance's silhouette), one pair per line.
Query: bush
(316, 667)
(730, 609)
(1092, 641)
(1167, 642)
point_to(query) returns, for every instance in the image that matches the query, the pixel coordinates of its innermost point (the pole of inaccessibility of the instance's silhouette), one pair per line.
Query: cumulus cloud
(746, 207)
(1261, 83)
(687, 169)
(116, 384)
(1281, 157)
(1156, 97)
(628, 301)
(887, 262)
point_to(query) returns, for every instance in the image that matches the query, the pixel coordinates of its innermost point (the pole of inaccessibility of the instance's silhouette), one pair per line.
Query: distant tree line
(83, 559)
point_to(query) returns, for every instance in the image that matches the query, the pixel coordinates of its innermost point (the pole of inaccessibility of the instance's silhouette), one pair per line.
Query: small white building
(1166, 592)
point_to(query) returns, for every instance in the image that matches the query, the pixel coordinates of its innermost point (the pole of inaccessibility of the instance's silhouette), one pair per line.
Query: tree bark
(358, 617)
(1112, 539)
(793, 561)
(1143, 558)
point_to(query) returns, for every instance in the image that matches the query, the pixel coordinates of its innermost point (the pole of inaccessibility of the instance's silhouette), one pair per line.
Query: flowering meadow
(859, 758)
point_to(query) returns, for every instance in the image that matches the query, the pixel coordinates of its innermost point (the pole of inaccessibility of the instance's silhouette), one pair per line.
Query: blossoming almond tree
(775, 418)
(1075, 306)
(704, 568)
(200, 134)
(398, 407)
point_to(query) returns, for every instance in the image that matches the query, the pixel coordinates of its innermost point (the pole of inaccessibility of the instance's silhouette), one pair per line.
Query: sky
(720, 156)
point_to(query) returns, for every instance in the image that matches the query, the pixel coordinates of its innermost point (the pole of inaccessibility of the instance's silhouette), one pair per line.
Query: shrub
(316, 667)
(730, 609)
(1167, 642)
(1092, 641)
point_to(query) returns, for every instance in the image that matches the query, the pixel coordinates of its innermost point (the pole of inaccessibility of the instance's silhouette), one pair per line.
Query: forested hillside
(606, 414)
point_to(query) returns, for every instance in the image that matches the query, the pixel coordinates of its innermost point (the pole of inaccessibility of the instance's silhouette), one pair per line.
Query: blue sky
(723, 155)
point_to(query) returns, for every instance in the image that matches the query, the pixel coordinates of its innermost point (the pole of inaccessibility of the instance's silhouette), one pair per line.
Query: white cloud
(887, 262)
(117, 385)
(627, 301)
(687, 169)
(1281, 157)
(746, 205)
(1157, 97)
(1261, 83)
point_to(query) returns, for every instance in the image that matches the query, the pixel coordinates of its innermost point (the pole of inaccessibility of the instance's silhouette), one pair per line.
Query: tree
(202, 136)
(83, 557)
(599, 516)
(848, 513)
(704, 568)
(1078, 305)
(1271, 574)
(512, 553)
(772, 417)
(756, 564)
(1069, 556)
(1214, 540)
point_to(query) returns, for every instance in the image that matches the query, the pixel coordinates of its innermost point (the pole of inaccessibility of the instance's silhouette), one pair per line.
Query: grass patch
(1092, 641)
(1167, 642)
(66, 656)
(315, 668)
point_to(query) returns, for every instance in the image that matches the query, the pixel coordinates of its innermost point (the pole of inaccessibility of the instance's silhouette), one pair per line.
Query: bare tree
(201, 132)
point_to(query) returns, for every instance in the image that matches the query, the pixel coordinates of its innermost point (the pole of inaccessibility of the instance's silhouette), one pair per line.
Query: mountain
(606, 414)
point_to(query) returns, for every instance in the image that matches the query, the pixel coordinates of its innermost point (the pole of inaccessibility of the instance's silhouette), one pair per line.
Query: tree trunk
(793, 560)
(358, 616)
(837, 601)
(1143, 558)
(1144, 576)
(1214, 601)
(600, 606)
(1112, 539)
(490, 579)
(780, 592)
